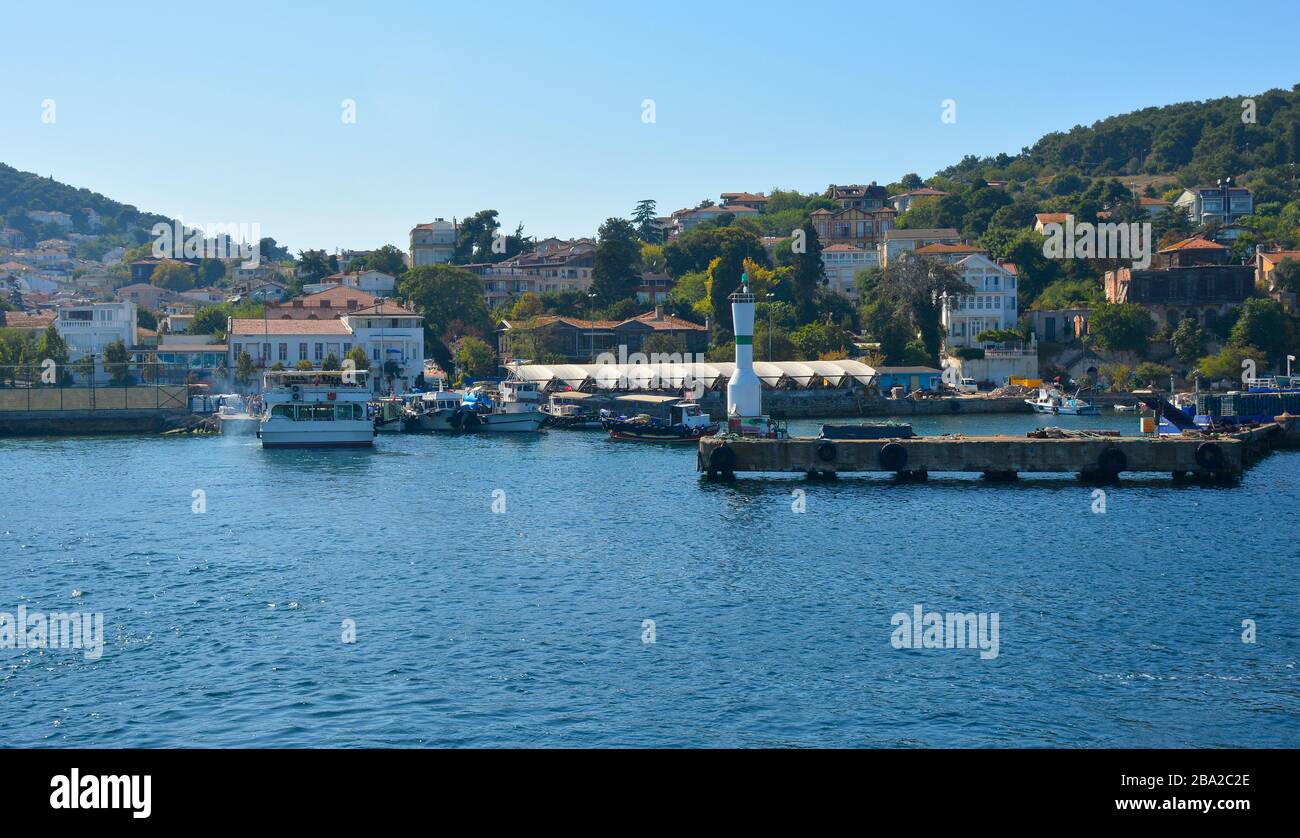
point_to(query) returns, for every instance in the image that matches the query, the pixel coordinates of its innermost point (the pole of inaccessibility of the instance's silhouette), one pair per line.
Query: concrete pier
(996, 457)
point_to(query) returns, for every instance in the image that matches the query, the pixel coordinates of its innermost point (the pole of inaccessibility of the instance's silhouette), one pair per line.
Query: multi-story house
(286, 342)
(841, 263)
(684, 220)
(757, 200)
(433, 243)
(393, 337)
(896, 241)
(862, 228)
(856, 196)
(902, 203)
(552, 265)
(329, 304)
(88, 328)
(1222, 204)
(372, 282)
(991, 305)
(61, 219)
(1188, 279)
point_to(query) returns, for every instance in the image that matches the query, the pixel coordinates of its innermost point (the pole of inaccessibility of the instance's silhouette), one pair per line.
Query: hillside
(22, 191)
(1192, 142)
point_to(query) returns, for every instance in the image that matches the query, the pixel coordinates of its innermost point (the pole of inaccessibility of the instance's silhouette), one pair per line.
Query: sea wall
(89, 422)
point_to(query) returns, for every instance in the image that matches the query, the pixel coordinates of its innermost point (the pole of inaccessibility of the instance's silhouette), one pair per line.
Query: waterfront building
(1265, 263)
(393, 337)
(754, 200)
(990, 306)
(856, 196)
(909, 378)
(684, 220)
(88, 328)
(286, 342)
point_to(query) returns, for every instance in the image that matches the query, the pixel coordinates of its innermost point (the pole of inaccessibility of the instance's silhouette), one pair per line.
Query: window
(284, 352)
(320, 351)
(302, 352)
(266, 352)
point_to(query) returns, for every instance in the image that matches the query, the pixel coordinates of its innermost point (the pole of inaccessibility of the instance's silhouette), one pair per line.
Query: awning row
(674, 376)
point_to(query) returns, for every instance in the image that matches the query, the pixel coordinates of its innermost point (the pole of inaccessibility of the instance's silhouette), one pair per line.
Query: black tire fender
(1209, 455)
(722, 459)
(893, 457)
(826, 451)
(1112, 461)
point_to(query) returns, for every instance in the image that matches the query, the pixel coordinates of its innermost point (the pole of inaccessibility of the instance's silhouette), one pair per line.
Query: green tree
(304, 364)
(615, 275)
(388, 259)
(1123, 327)
(643, 217)
(172, 275)
(1188, 341)
(313, 266)
(331, 362)
(1263, 323)
(1225, 365)
(1152, 374)
(1286, 276)
(909, 293)
(809, 274)
(244, 369)
(474, 357)
(116, 362)
(450, 299)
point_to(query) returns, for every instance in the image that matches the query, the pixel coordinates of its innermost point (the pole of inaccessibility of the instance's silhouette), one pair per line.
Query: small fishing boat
(388, 415)
(687, 422)
(440, 411)
(1126, 408)
(563, 413)
(316, 409)
(514, 410)
(1051, 400)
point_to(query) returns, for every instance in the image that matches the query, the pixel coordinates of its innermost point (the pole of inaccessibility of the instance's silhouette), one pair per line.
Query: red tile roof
(258, 326)
(1194, 243)
(940, 247)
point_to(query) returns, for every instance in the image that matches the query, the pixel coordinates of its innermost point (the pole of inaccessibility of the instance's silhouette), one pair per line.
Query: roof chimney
(659, 312)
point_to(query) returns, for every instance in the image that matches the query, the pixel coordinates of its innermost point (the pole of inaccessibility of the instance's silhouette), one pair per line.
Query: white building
(88, 328)
(62, 219)
(373, 282)
(388, 333)
(992, 304)
(842, 263)
(433, 243)
(393, 337)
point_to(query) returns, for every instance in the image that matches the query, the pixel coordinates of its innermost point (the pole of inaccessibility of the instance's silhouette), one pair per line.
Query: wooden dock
(996, 457)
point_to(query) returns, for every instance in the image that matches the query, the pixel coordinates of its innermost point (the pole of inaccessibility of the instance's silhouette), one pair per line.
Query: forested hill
(22, 191)
(1192, 141)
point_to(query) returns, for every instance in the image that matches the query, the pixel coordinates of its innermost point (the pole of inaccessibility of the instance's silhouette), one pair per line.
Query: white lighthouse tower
(744, 392)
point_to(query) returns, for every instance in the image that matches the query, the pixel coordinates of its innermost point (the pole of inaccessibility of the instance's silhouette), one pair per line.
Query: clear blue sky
(233, 114)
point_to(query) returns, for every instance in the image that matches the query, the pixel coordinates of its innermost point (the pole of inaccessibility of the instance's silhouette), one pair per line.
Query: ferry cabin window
(345, 412)
(284, 410)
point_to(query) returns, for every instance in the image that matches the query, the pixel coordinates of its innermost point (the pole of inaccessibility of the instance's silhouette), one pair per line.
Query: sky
(539, 110)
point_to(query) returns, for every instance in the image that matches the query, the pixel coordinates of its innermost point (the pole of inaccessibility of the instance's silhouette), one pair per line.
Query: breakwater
(833, 403)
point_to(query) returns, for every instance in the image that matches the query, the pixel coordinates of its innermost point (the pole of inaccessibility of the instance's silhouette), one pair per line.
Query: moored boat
(514, 410)
(441, 411)
(687, 422)
(316, 409)
(1053, 401)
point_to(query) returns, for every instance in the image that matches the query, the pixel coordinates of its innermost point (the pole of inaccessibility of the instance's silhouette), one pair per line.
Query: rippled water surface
(772, 627)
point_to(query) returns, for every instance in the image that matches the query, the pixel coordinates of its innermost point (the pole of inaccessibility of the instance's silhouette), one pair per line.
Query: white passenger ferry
(316, 409)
